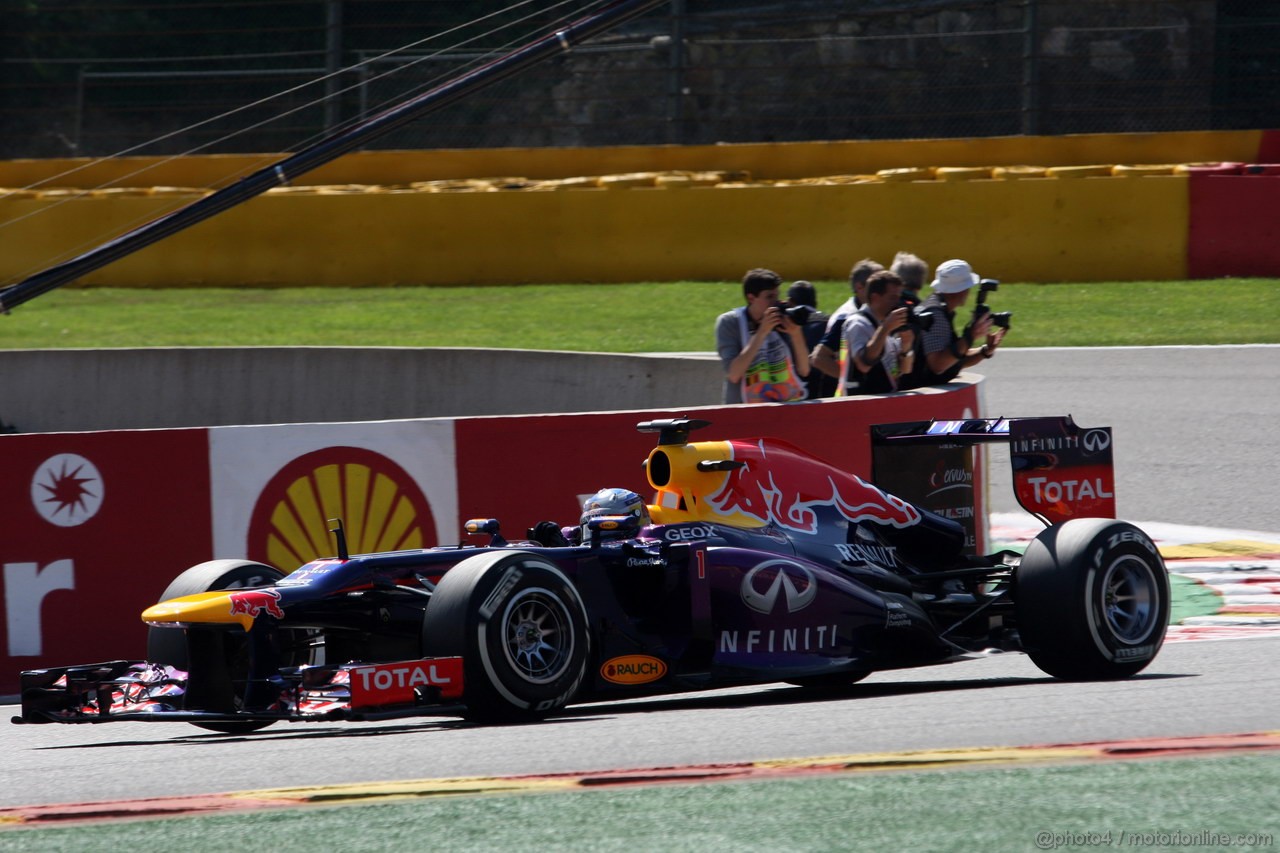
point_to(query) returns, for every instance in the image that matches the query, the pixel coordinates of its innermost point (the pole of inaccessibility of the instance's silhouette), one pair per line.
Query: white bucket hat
(955, 276)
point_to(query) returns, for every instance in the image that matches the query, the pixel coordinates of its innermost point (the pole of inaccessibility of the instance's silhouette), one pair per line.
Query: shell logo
(633, 669)
(380, 505)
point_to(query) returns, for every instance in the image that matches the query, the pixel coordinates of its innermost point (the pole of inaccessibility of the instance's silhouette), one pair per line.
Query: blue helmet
(625, 506)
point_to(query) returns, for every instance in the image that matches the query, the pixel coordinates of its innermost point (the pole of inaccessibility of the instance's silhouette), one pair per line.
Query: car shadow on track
(766, 695)
(773, 695)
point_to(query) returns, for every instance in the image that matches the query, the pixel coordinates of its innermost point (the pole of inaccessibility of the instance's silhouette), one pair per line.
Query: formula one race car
(755, 563)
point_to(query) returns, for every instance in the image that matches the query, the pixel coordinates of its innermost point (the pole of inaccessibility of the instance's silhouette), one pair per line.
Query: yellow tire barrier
(586, 182)
(907, 174)
(1017, 173)
(629, 180)
(1219, 167)
(962, 173)
(1138, 171)
(177, 191)
(679, 180)
(1079, 171)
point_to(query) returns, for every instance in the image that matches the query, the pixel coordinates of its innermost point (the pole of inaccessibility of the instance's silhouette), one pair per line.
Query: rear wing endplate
(1060, 470)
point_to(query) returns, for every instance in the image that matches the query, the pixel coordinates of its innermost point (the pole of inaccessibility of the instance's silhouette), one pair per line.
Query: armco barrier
(98, 523)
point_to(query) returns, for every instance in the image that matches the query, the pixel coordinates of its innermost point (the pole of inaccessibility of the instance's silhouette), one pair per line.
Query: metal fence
(178, 77)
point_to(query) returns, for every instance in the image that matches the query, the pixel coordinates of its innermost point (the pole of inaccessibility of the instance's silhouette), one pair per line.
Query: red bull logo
(253, 602)
(780, 484)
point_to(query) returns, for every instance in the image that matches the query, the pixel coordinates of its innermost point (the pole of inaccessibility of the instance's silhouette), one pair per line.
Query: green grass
(642, 317)
(1187, 804)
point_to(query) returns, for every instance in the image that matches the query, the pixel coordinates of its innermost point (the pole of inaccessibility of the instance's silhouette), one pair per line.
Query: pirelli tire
(1092, 600)
(169, 645)
(521, 629)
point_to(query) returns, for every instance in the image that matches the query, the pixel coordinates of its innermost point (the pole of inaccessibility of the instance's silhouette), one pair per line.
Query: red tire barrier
(1208, 168)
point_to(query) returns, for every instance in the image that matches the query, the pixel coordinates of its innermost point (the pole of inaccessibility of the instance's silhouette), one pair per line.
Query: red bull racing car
(754, 563)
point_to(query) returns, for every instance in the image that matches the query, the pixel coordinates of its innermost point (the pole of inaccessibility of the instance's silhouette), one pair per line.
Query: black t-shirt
(940, 336)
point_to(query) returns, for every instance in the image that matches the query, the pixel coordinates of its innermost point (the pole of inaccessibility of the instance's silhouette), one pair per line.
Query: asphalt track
(1192, 451)
(1195, 428)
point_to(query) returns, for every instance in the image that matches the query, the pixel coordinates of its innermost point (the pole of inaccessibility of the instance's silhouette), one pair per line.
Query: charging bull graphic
(257, 601)
(778, 483)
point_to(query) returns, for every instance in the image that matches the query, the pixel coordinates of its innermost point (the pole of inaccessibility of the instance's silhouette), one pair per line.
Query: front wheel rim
(537, 636)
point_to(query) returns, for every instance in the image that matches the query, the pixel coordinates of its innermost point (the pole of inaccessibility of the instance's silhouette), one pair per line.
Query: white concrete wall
(74, 390)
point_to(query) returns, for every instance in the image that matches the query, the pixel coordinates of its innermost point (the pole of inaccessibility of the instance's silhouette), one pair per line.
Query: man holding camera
(946, 352)
(878, 348)
(761, 347)
(825, 357)
(803, 295)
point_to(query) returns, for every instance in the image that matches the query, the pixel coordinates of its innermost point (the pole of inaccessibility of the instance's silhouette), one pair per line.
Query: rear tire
(1092, 600)
(521, 629)
(168, 646)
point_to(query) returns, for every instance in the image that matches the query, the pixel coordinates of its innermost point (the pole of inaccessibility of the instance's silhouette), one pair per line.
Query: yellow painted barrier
(1046, 230)
(441, 217)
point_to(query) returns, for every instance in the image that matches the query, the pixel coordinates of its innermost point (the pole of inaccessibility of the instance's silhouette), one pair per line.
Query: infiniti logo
(1097, 439)
(785, 576)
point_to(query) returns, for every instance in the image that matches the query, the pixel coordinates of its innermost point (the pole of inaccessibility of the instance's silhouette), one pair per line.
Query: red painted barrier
(98, 523)
(95, 527)
(1269, 147)
(1234, 224)
(575, 455)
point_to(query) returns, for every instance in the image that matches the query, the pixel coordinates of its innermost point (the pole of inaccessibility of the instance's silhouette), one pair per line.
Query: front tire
(169, 646)
(521, 629)
(1092, 600)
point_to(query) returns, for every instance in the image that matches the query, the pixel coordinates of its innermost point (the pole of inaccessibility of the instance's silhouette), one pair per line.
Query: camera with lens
(799, 314)
(999, 319)
(917, 320)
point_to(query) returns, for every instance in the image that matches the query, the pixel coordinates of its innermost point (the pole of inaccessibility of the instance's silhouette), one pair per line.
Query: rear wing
(1060, 470)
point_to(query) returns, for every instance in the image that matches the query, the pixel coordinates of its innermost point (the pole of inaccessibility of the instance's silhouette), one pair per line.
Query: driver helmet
(614, 502)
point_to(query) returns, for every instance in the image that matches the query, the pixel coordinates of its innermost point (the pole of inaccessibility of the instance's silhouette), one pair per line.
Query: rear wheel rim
(1130, 600)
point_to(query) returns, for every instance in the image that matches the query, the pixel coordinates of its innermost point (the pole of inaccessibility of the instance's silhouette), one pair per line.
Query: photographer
(825, 357)
(944, 351)
(759, 365)
(803, 295)
(879, 342)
